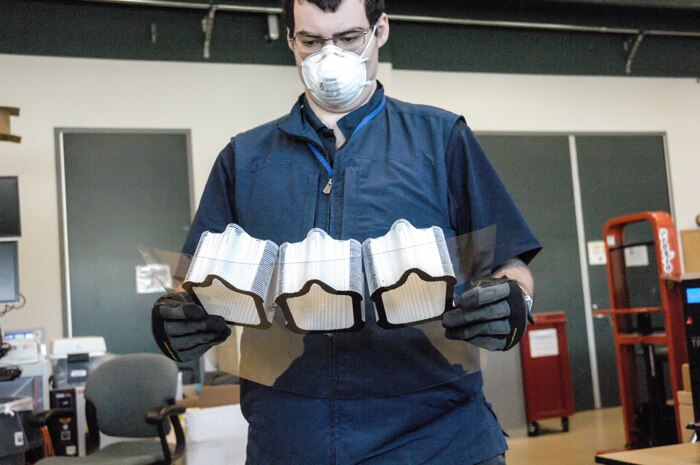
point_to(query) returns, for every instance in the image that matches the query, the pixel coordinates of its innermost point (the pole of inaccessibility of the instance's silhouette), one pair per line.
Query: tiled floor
(589, 432)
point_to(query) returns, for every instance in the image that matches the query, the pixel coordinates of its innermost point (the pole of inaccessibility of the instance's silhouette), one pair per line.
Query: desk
(678, 454)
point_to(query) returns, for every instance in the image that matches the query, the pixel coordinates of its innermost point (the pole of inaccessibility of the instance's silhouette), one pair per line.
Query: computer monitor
(692, 295)
(9, 207)
(9, 273)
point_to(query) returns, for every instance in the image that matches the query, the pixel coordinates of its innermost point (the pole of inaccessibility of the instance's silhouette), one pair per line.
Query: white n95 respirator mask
(336, 77)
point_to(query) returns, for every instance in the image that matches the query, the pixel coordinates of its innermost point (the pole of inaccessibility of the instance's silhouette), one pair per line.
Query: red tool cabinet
(544, 352)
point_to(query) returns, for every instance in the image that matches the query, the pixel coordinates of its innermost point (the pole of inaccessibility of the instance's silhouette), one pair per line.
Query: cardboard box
(690, 242)
(210, 396)
(216, 435)
(685, 413)
(685, 370)
(214, 423)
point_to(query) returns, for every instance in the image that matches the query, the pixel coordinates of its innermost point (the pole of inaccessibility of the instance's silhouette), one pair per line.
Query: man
(351, 161)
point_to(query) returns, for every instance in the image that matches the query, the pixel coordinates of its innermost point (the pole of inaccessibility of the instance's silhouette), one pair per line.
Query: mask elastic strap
(374, 31)
(363, 58)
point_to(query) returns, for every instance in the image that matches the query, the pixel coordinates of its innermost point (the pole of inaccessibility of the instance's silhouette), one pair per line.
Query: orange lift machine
(646, 334)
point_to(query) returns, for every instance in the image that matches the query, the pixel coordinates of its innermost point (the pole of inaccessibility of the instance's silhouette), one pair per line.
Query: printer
(24, 368)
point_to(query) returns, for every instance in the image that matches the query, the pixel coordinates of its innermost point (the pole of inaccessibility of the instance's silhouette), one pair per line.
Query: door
(554, 179)
(537, 172)
(121, 190)
(619, 175)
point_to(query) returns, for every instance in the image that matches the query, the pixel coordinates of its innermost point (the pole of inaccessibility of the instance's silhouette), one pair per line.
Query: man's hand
(493, 314)
(183, 329)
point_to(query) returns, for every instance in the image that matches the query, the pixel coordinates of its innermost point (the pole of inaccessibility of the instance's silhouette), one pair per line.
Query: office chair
(129, 396)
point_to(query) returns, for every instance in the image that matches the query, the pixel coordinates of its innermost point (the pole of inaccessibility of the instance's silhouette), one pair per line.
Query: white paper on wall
(543, 342)
(596, 253)
(637, 256)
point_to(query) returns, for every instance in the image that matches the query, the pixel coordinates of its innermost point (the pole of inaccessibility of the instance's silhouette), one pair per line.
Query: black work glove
(493, 314)
(183, 329)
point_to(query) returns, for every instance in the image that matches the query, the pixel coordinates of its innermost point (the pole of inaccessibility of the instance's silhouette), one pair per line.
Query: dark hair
(373, 9)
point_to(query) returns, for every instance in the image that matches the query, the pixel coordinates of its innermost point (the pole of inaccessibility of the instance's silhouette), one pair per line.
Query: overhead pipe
(414, 19)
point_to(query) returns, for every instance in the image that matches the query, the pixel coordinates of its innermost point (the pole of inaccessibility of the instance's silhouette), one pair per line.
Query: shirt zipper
(329, 186)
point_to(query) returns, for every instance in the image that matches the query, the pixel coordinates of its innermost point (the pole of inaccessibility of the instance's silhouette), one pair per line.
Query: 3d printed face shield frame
(409, 274)
(231, 273)
(320, 284)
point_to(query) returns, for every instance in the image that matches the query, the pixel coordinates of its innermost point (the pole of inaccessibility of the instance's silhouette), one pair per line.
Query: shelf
(629, 311)
(637, 339)
(10, 138)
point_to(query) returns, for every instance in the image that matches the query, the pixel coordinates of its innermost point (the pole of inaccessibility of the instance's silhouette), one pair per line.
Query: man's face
(310, 19)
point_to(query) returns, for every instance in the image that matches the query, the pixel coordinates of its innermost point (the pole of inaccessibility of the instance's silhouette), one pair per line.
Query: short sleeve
(217, 207)
(479, 199)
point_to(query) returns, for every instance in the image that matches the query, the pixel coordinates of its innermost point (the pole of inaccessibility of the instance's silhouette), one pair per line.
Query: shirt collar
(347, 123)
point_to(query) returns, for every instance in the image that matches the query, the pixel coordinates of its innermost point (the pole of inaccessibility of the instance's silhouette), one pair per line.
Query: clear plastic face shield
(333, 318)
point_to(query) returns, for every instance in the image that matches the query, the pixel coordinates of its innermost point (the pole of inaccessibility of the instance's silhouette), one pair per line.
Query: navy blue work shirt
(375, 396)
